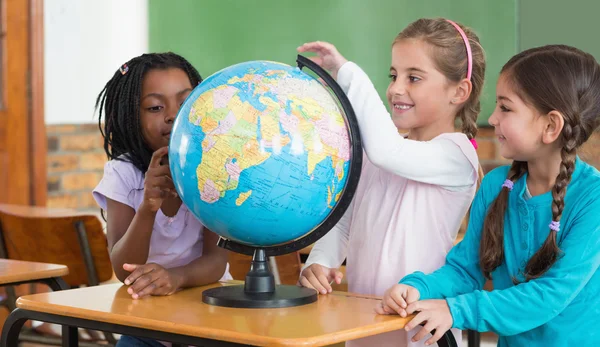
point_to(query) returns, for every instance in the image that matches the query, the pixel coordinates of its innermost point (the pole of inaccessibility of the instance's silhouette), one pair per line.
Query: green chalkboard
(573, 22)
(214, 34)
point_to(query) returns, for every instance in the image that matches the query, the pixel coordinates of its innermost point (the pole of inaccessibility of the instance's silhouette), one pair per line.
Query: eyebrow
(411, 69)
(158, 95)
(504, 98)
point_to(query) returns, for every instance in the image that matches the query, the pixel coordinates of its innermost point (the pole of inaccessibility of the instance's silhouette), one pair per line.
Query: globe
(265, 155)
(260, 153)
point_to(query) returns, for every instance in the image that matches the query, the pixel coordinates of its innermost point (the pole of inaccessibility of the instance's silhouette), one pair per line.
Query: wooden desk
(14, 272)
(183, 318)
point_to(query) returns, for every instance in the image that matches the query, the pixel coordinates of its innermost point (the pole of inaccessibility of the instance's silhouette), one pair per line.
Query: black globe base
(236, 296)
(259, 290)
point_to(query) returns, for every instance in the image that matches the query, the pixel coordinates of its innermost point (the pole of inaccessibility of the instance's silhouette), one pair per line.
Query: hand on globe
(328, 56)
(158, 184)
(319, 277)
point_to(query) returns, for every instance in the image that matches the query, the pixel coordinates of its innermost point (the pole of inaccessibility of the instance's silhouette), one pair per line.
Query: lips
(400, 107)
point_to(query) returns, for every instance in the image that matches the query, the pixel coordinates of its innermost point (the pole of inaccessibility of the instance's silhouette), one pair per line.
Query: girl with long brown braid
(534, 228)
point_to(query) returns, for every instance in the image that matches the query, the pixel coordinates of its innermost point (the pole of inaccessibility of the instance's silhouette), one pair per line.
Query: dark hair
(450, 58)
(554, 77)
(119, 106)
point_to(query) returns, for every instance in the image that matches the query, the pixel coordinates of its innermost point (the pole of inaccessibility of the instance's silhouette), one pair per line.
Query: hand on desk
(320, 278)
(434, 314)
(396, 300)
(150, 279)
(404, 300)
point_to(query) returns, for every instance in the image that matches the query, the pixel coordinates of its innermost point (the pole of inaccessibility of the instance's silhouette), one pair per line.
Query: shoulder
(121, 170)
(459, 141)
(491, 185)
(584, 188)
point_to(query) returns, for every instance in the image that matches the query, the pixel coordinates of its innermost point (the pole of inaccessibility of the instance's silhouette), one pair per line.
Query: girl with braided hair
(156, 245)
(534, 228)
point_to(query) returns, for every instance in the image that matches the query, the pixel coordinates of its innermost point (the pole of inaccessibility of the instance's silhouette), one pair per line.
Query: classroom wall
(573, 22)
(214, 34)
(85, 43)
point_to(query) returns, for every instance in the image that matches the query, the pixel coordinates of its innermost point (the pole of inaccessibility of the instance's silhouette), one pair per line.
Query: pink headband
(469, 56)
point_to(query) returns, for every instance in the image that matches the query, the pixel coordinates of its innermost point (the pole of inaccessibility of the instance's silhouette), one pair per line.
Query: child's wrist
(146, 211)
(178, 276)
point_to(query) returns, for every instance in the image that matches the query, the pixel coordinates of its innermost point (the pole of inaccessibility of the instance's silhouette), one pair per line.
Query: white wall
(86, 41)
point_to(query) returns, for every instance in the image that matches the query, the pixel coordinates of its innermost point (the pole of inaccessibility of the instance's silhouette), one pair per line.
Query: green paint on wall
(214, 34)
(573, 22)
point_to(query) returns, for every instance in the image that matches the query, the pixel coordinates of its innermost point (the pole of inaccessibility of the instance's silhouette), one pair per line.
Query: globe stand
(259, 290)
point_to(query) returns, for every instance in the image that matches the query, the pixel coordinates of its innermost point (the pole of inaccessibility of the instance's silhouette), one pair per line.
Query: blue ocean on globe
(260, 153)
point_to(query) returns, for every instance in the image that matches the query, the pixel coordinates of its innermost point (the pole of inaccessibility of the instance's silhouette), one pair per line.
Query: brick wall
(75, 165)
(76, 161)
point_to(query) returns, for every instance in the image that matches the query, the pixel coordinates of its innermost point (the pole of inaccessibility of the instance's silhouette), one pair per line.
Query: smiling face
(518, 126)
(163, 93)
(419, 95)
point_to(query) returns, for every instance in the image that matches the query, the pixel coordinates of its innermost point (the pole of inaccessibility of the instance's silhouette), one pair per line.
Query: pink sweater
(408, 207)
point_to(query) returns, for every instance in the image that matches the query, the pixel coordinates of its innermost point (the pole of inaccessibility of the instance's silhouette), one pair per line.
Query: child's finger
(389, 301)
(439, 332)
(150, 289)
(317, 47)
(411, 295)
(317, 60)
(304, 282)
(137, 271)
(157, 156)
(417, 306)
(324, 281)
(130, 267)
(159, 171)
(338, 276)
(399, 299)
(314, 282)
(423, 332)
(421, 317)
(379, 309)
(389, 310)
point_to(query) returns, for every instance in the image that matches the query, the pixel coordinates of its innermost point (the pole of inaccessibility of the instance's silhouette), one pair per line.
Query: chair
(57, 236)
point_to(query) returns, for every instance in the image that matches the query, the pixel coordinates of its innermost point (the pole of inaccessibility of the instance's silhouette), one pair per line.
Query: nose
(397, 87)
(493, 120)
(171, 114)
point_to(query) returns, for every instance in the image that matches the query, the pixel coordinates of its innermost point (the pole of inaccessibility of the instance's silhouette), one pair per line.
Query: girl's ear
(462, 91)
(553, 126)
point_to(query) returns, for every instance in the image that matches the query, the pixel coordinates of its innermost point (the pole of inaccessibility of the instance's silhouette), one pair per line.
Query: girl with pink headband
(419, 176)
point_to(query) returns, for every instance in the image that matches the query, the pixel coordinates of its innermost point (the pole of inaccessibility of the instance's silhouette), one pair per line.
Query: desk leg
(447, 340)
(15, 321)
(18, 317)
(474, 338)
(69, 334)
(12, 329)
(55, 283)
